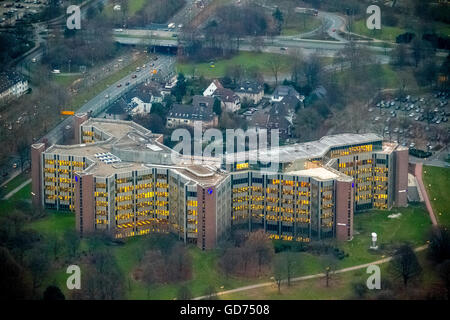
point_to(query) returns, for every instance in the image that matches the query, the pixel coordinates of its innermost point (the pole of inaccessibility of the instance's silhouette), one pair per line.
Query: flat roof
(306, 150)
(318, 173)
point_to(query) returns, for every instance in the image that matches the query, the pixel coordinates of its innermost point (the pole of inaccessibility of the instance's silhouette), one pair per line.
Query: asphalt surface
(100, 102)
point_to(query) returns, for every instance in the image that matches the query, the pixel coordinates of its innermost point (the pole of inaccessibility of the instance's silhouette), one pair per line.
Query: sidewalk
(13, 192)
(418, 173)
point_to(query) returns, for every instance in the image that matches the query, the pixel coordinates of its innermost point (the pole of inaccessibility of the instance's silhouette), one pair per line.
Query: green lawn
(386, 33)
(340, 286)
(55, 223)
(246, 60)
(301, 23)
(412, 226)
(15, 182)
(66, 79)
(385, 75)
(437, 183)
(133, 7)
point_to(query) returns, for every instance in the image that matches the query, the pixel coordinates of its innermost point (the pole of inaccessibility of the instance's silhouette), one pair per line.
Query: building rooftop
(8, 79)
(188, 112)
(317, 173)
(306, 150)
(251, 87)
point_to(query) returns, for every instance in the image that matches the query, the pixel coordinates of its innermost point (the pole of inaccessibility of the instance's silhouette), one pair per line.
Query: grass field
(385, 76)
(437, 183)
(133, 7)
(66, 79)
(15, 182)
(247, 60)
(301, 23)
(386, 33)
(340, 286)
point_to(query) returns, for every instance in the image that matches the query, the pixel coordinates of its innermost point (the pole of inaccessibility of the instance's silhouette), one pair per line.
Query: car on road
(283, 48)
(107, 96)
(34, 60)
(134, 76)
(119, 85)
(127, 83)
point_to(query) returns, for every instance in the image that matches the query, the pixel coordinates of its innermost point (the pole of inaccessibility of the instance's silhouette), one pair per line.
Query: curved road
(313, 276)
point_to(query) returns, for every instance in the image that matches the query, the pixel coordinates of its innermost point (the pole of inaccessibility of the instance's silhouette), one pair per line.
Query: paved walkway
(418, 173)
(13, 192)
(313, 276)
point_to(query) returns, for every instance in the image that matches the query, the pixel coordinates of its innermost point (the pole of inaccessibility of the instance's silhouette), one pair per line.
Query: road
(100, 102)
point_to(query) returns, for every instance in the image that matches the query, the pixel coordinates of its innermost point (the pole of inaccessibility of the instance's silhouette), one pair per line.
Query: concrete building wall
(207, 233)
(84, 204)
(344, 210)
(36, 173)
(78, 119)
(401, 177)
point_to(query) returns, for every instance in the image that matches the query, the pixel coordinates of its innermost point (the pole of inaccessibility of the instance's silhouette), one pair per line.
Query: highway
(100, 102)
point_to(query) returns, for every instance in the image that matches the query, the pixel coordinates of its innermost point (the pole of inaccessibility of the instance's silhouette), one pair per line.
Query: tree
(278, 16)
(404, 264)
(400, 55)
(275, 65)
(289, 264)
(39, 264)
(312, 70)
(444, 275)
(257, 43)
(297, 65)
(179, 91)
(72, 242)
(329, 267)
(210, 292)
(259, 243)
(217, 107)
(53, 293)
(439, 248)
(184, 293)
(14, 282)
(279, 271)
(426, 73)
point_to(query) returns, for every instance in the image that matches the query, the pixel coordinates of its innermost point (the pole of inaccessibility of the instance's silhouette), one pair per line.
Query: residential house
(229, 100)
(201, 110)
(250, 90)
(12, 85)
(281, 92)
(215, 84)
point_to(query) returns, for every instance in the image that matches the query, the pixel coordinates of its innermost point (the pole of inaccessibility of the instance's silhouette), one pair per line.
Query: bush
(419, 153)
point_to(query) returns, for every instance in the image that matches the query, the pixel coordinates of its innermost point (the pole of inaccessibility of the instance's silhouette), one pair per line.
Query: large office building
(120, 178)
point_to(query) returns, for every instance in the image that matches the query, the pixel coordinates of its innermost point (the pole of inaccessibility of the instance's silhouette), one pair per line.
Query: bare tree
(279, 271)
(275, 65)
(329, 264)
(404, 264)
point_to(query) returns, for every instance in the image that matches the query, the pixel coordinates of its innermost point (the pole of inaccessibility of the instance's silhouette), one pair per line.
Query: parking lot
(414, 121)
(12, 12)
